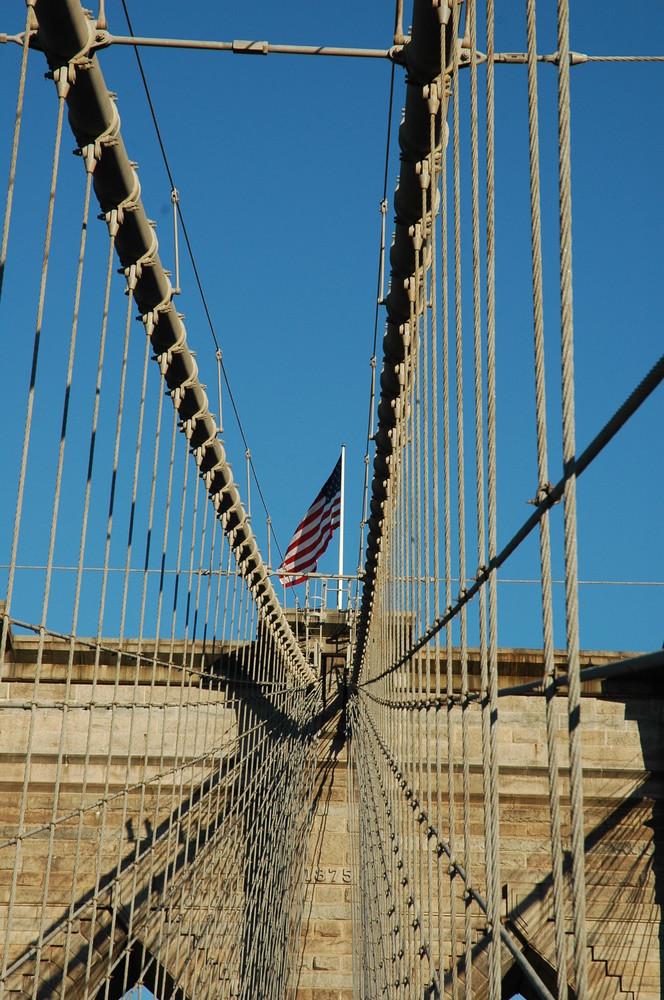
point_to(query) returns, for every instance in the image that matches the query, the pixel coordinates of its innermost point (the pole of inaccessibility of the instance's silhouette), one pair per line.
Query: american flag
(313, 533)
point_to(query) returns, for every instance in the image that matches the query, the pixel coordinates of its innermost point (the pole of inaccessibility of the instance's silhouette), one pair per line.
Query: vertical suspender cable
(494, 890)
(543, 478)
(17, 130)
(570, 523)
(62, 85)
(488, 723)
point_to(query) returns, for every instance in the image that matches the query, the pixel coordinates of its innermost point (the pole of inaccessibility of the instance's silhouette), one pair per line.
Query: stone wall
(111, 809)
(623, 757)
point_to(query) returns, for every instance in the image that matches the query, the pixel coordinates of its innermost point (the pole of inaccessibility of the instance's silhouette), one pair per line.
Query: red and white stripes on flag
(313, 533)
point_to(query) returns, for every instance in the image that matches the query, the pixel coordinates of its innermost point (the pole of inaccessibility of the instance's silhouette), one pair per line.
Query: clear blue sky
(279, 164)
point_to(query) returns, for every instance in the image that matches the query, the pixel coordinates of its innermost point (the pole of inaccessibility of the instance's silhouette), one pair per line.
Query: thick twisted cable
(545, 543)
(569, 513)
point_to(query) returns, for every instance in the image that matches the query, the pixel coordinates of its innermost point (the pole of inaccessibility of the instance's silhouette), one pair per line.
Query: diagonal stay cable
(437, 842)
(379, 296)
(198, 279)
(644, 389)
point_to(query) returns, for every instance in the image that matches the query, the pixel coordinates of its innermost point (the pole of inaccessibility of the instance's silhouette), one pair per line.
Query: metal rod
(175, 198)
(341, 530)
(326, 576)
(244, 47)
(263, 48)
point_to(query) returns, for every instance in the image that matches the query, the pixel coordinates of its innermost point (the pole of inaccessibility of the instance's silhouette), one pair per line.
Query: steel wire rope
(98, 889)
(437, 167)
(428, 373)
(419, 508)
(379, 297)
(176, 885)
(447, 509)
(79, 581)
(492, 474)
(627, 409)
(121, 629)
(545, 543)
(421, 514)
(465, 707)
(175, 825)
(569, 506)
(197, 785)
(159, 610)
(442, 847)
(144, 778)
(417, 922)
(487, 722)
(49, 570)
(623, 59)
(95, 674)
(493, 884)
(217, 573)
(62, 86)
(412, 547)
(29, 15)
(400, 876)
(199, 282)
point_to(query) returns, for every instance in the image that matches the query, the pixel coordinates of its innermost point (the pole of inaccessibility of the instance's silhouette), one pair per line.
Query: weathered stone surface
(112, 802)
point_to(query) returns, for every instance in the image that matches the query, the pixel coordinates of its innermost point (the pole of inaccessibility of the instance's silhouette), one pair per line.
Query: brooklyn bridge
(433, 765)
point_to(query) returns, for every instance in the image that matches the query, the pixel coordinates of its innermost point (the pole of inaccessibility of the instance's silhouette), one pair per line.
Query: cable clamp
(209, 474)
(64, 77)
(148, 260)
(177, 394)
(113, 219)
(92, 151)
(132, 274)
(444, 9)
(422, 170)
(91, 154)
(148, 321)
(102, 39)
(575, 58)
(164, 361)
(130, 203)
(465, 54)
(415, 233)
(188, 426)
(542, 494)
(431, 94)
(200, 450)
(217, 499)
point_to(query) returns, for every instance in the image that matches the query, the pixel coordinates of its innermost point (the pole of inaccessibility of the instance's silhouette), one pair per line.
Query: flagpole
(341, 531)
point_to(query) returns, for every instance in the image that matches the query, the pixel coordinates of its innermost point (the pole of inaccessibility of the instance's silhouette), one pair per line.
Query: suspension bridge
(380, 787)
